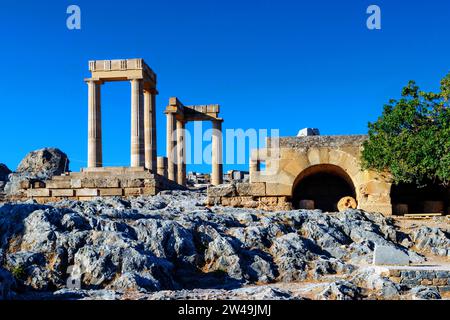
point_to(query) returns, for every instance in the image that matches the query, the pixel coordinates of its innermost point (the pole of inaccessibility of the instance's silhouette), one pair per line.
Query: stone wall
(100, 182)
(287, 159)
(431, 277)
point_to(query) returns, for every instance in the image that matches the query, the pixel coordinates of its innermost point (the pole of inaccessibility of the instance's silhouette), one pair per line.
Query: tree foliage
(411, 139)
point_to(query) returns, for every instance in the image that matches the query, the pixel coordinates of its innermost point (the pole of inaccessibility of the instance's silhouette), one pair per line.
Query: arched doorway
(324, 185)
(409, 198)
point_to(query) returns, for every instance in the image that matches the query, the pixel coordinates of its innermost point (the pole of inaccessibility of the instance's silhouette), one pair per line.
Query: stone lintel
(121, 68)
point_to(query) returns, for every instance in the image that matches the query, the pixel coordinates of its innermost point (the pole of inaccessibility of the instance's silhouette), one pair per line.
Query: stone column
(171, 157)
(94, 125)
(181, 153)
(137, 124)
(217, 162)
(162, 166)
(150, 129)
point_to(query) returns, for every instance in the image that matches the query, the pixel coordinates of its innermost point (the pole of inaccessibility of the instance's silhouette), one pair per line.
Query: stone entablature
(122, 70)
(177, 116)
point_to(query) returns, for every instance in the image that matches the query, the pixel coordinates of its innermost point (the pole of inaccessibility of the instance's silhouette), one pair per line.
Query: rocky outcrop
(170, 242)
(4, 178)
(38, 165)
(433, 240)
(4, 172)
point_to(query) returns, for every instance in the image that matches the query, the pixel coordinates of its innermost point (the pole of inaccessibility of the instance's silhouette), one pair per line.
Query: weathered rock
(223, 190)
(372, 279)
(4, 172)
(433, 240)
(425, 293)
(291, 254)
(340, 290)
(38, 165)
(385, 255)
(172, 241)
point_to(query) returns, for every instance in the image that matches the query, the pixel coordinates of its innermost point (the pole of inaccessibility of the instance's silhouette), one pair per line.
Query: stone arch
(322, 185)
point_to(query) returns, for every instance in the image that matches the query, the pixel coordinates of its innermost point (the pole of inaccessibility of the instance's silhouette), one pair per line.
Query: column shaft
(137, 124)
(217, 165)
(150, 130)
(170, 142)
(181, 152)
(94, 125)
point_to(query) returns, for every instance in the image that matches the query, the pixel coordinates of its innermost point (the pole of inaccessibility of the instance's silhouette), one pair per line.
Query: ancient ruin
(323, 172)
(147, 174)
(309, 171)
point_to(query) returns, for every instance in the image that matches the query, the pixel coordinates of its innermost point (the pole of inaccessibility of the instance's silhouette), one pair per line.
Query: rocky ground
(172, 246)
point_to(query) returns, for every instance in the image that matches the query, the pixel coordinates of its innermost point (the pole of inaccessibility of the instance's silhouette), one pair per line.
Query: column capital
(97, 82)
(151, 91)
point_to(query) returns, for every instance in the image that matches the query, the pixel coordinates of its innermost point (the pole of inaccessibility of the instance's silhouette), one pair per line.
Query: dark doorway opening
(323, 184)
(409, 198)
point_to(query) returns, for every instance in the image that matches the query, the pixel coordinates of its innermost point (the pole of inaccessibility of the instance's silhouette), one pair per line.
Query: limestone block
(251, 189)
(226, 202)
(278, 189)
(224, 190)
(149, 182)
(38, 184)
(109, 192)
(149, 191)
(385, 209)
(324, 155)
(87, 192)
(25, 184)
(107, 183)
(269, 201)
(88, 183)
(235, 202)
(296, 166)
(376, 187)
(387, 255)
(347, 203)
(133, 183)
(307, 204)
(63, 192)
(133, 191)
(314, 156)
(38, 193)
(289, 154)
(75, 183)
(379, 198)
(58, 184)
(250, 203)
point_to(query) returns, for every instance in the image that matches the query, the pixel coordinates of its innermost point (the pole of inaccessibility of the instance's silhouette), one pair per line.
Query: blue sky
(269, 63)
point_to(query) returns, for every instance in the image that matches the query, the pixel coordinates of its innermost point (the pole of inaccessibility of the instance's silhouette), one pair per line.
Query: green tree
(411, 139)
